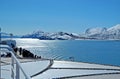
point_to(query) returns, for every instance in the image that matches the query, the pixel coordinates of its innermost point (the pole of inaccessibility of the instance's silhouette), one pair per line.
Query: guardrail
(15, 65)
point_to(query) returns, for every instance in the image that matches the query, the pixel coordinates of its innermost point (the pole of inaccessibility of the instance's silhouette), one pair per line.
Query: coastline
(78, 46)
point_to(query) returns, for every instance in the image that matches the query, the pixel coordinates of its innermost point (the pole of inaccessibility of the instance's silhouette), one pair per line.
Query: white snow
(111, 76)
(65, 37)
(57, 73)
(35, 67)
(116, 27)
(96, 30)
(66, 64)
(32, 68)
(75, 34)
(103, 33)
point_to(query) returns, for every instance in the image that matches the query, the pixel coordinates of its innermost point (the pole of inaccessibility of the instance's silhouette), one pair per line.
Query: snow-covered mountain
(90, 33)
(52, 36)
(95, 32)
(104, 33)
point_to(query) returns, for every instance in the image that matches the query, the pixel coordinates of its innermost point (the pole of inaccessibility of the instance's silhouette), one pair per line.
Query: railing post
(17, 71)
(12, 68)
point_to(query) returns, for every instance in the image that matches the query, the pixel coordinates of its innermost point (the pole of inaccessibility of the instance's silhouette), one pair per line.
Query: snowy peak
(94, 31)
(37, 32)
(34, 34)
(114, 29)
(91, 33)
(104, 33)
(117, 27)
(51, 36)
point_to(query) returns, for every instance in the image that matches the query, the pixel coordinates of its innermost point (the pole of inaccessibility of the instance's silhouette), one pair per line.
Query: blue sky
(24, 16)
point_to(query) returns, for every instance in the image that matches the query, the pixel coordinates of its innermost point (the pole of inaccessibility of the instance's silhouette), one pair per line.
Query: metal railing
(15, 65)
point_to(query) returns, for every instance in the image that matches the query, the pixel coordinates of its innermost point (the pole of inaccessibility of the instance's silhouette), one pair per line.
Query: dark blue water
(102, 52)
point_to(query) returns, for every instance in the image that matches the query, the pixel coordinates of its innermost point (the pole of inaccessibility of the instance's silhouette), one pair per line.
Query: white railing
(15, 65)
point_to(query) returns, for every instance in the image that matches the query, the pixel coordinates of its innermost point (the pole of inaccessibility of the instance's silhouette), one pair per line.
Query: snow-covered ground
(53, 69)
(60, 69)
(66, 64)
(30, 68)
(111, 76)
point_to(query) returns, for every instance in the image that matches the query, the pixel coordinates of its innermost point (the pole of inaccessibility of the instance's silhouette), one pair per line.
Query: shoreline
(72, 39)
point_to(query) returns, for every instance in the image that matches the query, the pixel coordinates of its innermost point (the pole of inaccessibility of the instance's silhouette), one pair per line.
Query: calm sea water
(102, 52)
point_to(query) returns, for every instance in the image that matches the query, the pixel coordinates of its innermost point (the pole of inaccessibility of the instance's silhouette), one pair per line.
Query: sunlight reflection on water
(103, 52)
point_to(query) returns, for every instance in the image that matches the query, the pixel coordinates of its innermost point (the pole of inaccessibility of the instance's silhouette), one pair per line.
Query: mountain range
(52, 36)
(112, 33)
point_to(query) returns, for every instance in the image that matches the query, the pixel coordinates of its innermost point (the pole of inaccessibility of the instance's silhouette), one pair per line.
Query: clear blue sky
(23, 16)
